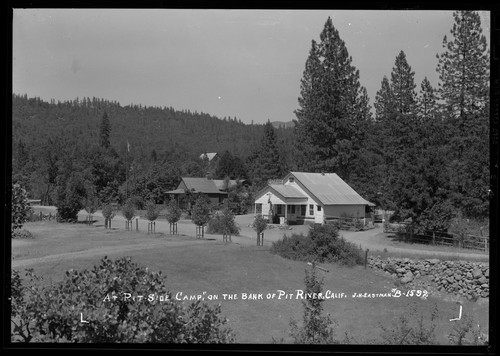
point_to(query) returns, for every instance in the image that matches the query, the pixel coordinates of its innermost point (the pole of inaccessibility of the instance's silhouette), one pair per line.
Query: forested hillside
(147, 129)
(157, 144)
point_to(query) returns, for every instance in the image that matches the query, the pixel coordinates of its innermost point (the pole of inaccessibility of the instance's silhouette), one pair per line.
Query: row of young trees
(424, 154)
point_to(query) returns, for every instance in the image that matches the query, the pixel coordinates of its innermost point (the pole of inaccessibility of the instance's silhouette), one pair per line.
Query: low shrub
(107, 297)
(465, 332)
(411, 329)
(222, 222)
(21, 210)
(68, 208)
(296, 247)
(334, 223)
(22, 234)
(358, 224)
(322, 244)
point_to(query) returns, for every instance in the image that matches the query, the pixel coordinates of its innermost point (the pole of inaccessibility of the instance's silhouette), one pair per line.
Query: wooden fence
(39, 216)
(472, 242)
(347, 223)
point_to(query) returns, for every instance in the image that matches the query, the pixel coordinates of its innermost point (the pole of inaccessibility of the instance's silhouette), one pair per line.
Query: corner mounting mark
(459, 314)
(81, 319)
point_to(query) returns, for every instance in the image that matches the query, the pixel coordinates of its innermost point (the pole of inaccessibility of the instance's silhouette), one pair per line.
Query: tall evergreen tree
(464, 92)
(427, 100)
(333, 107)
(384, 101)
(230, 166)
(464, 68)
(105, 131)
(395, 106)
(403, 85)
(265, 162)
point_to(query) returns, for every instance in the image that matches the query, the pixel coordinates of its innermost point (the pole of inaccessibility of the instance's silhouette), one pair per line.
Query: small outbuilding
(198, 185)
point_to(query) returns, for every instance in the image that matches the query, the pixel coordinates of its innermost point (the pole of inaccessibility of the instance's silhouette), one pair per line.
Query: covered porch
(282, 210)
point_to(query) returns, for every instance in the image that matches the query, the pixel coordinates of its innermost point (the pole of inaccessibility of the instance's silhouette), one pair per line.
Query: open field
(195, 266)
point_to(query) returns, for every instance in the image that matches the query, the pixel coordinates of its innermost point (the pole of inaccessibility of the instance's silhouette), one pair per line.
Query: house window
(311, 209)
(290, 209)
(291, 179)
(258, 208)
(319, 207)
(303, 209)
(279, 212)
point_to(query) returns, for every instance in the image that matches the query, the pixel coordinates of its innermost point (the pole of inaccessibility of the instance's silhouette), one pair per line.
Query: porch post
(286, 215)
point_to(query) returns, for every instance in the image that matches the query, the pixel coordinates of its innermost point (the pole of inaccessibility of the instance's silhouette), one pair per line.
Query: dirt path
(377, 240)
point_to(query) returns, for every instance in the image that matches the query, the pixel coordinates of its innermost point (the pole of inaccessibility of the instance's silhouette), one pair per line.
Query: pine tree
(265, 161)
(395, 104)
(105, 131)
(464, 68)
(384, 101)
(427, 101)
(403, 85)
(333, 107)
(230, 166)
(464, 92)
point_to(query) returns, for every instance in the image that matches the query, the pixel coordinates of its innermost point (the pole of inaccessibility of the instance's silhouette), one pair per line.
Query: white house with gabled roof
(303, 197)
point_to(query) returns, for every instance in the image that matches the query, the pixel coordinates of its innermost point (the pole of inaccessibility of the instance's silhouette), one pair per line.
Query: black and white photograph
(284, 178)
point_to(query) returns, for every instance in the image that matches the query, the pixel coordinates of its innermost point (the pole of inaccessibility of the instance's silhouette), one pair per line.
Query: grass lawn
(196, 266)
(52, 238)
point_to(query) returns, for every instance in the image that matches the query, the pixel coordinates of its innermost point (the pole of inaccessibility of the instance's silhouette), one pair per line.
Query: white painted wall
(310, 201)
(264, 200)
(350, 210)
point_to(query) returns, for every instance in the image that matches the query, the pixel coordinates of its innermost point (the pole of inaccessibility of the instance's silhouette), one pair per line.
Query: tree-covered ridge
(165, 130)
(121, 151)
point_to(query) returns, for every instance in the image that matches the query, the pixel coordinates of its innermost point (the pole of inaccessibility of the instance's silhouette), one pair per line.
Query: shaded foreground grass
(193, 267)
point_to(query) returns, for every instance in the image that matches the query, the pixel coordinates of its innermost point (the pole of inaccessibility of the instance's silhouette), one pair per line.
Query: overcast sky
(243, 63)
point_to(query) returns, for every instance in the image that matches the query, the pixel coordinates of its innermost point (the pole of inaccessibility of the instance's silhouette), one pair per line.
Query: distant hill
(171, 134)
(283, 124)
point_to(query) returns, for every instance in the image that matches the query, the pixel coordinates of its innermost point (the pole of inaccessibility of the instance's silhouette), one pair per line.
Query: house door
(318, 216)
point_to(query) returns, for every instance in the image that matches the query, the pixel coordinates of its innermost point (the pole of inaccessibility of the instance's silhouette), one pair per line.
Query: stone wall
(465, 278)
